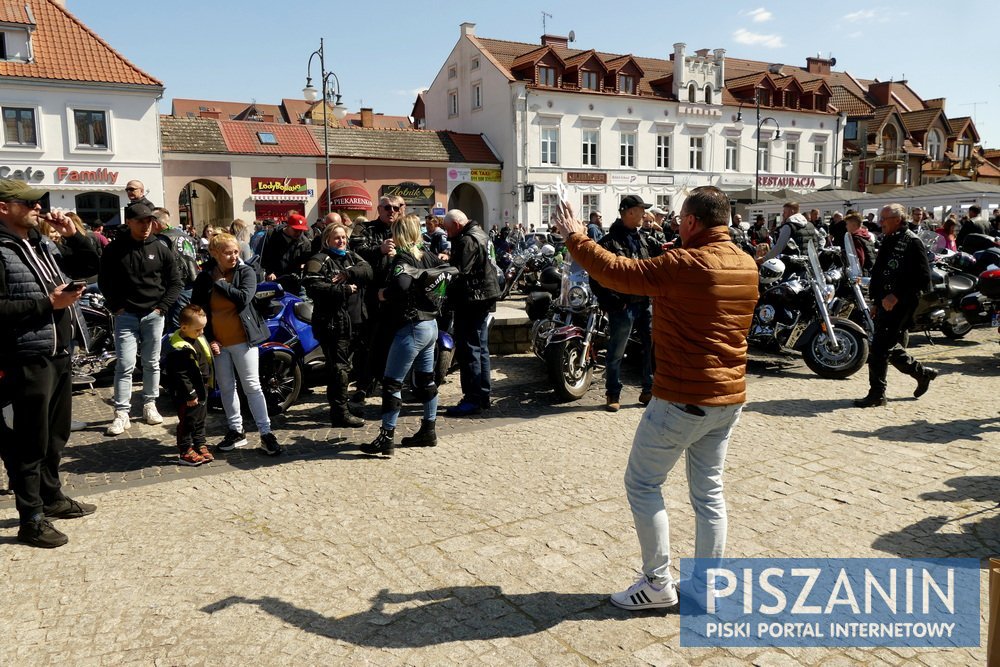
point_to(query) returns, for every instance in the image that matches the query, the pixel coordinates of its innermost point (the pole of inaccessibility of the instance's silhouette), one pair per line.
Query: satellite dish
(572, 36)
(833, 61)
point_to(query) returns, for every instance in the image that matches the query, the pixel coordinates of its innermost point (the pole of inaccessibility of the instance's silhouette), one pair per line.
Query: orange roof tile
(473, 147)
(14, 13)
(67, 50)
(242, 137)
(849, 103)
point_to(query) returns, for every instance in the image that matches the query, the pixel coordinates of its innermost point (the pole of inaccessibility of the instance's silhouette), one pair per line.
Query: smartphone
(46, 203)
(75, 286)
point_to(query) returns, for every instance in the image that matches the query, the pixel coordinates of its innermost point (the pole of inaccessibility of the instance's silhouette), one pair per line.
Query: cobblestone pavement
(500, 545)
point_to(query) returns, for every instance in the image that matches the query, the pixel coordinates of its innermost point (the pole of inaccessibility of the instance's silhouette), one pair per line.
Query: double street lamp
(339, 110)
(760, 123)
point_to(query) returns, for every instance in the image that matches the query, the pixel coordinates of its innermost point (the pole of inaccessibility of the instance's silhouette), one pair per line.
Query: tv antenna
(974, 105)
(544, 15)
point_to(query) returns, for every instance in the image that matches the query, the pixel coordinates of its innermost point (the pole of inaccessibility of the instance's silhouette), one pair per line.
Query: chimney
(936, 103)
(555, 40)
(701, 53)
(678, 57)
(881, 92)
(467, 29)
(367, 118)
(819, 66)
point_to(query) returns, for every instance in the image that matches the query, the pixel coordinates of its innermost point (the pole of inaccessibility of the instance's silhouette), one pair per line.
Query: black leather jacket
(335, 307)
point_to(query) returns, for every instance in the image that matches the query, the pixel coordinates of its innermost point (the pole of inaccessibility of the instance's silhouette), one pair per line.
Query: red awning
(347, 195)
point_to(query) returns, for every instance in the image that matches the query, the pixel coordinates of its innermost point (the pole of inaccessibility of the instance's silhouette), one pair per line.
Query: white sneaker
(150, 415)
(643, 595)
(119, 424)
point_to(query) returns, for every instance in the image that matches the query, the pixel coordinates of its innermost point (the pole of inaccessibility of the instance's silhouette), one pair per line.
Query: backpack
(187, 252)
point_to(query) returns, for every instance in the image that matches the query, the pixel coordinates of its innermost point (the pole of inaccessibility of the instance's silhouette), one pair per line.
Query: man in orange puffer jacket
(704, 294)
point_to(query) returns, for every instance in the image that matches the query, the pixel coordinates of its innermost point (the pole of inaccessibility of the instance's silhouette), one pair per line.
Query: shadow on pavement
(425, 618)
(934, 537)
(978, 366)
(925, 432)
(798, 407)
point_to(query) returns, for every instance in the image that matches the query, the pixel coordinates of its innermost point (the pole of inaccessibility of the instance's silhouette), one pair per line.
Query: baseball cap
(138, 211)
(631, 201)
(11, 189)
(656, 210)
(298, 222)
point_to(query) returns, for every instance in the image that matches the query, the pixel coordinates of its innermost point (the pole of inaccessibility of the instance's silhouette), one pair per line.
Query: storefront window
(91, 206)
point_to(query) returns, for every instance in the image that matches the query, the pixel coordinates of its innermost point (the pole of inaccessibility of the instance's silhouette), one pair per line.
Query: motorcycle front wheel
(568, 369)
(957, 326)
(828, 363)
(280, 379)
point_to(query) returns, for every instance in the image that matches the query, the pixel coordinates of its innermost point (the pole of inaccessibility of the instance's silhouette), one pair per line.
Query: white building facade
(79, 126)
(554, 113)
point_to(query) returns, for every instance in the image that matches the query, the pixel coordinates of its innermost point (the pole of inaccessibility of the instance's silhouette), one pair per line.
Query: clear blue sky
(384, 52)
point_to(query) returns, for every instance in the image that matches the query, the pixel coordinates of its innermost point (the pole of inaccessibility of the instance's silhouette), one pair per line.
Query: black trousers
(378, 336)
(337, 351)
(191, 424)
(32, 447)
(887, 348)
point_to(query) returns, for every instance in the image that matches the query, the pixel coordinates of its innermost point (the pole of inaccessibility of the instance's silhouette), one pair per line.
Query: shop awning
(348, 195)
(281, 197)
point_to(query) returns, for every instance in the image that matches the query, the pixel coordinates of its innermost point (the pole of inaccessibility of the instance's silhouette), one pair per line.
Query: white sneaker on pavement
(643, 595)
(150, 414)
(119, 424)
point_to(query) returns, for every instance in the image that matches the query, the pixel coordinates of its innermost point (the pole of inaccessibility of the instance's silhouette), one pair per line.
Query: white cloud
(760, 15)
(861, 15)
(755, 39)
(410, 93)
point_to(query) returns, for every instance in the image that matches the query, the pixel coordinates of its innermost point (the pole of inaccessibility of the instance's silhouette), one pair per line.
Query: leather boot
(924, 382)
(425, 437)
(342, 417)
(383, 444)
(872, 400)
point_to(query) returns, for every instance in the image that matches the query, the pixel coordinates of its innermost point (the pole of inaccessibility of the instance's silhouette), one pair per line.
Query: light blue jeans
(413, 346)
(134, 335)
(243, 360)
(665, 432)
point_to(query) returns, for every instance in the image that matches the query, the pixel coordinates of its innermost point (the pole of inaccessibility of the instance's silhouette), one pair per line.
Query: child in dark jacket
(189, 368)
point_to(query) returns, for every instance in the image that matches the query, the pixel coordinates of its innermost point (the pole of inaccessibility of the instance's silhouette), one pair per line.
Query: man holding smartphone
(38, 305)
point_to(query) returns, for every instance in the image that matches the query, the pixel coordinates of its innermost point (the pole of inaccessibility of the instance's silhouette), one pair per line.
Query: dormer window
(546, 76)
(626, 84)
(588, 80)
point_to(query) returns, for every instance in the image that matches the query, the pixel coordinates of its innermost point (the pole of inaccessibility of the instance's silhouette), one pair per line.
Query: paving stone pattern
(499, 546)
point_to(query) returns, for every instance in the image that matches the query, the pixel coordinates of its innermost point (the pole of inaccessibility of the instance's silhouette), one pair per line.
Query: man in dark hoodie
(626, 311)
(140, 280)
(38, 306)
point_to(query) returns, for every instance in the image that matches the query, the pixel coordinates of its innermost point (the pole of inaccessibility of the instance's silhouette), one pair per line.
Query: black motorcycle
(793, 313)
(98, 361)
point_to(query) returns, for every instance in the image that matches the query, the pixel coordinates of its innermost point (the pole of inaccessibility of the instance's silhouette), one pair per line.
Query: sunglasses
(390, 207)
(131, 189)
(30, 203)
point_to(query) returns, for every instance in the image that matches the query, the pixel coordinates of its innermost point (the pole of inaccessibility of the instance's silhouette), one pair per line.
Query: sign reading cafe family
(829, 602)
(262, 185)
(101, 175)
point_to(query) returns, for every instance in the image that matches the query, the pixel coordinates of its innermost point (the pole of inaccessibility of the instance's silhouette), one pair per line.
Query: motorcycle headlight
(578, 296)
(828, 292)
(519, 260)
(765, 314)
(832, 276)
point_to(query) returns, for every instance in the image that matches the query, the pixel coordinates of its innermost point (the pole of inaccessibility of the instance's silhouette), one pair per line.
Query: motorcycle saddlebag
(989, 283)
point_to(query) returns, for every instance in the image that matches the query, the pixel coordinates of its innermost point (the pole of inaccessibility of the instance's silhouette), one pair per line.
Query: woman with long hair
(243, 233)
(335, 280)
(416, 284)
(947, 237)
(225, 289)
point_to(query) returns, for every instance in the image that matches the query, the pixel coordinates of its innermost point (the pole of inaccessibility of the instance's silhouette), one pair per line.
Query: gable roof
(921, 121)
(66, 50)
(961, 124)
(849, 103)
(408, 145)
(191, 135)
(243, 137)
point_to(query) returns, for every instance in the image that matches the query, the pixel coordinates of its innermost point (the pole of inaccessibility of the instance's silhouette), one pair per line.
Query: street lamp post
(848, 167)
(339, 110)
(760, 123)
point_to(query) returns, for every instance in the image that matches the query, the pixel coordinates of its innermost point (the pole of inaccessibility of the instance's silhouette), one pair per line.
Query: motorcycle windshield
(853, 264)
(815, 269)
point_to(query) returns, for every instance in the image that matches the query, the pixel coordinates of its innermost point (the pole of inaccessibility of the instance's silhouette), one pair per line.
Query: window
(93, 206)
(732, 154)
(628, 149)
(550, 204)
(3, 46)
(883, 175)
(589, 204)
(590, 138)
(19, 127)
(452, 71)
(692, 93)
(588, 80)
(267, 138)
(792, 157)
(663, 151)
(546, 76)
(851, 129)
(626, 84)
(708, 93)
(696, 154)
(477, 95)
(764, 156)
(962, 151)
(475, 64)
(663, 203)
(889, 144)
(819, 158)
(550, 145)
(453, 103)
(934, 145)
(91, 129)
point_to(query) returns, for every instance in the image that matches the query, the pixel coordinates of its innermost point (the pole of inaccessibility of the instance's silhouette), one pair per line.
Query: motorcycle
(940, 308)
(794, 314)
(525, 268)
(99, 361)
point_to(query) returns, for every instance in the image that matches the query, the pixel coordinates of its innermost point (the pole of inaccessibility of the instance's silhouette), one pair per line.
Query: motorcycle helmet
(962, 261)
(771, 271)
(548, 250)
(550, 279)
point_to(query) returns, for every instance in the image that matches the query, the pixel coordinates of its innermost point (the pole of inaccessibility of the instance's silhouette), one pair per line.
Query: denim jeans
(472, 341)
(241, 360)
(133, 335)
(620, 324)
(413, 346)
(665, 432)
